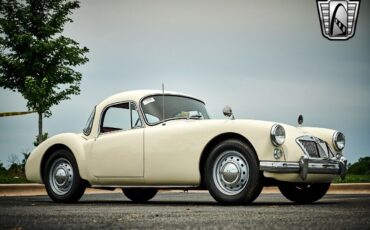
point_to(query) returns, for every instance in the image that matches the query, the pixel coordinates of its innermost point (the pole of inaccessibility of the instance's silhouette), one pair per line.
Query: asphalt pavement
(180, 210)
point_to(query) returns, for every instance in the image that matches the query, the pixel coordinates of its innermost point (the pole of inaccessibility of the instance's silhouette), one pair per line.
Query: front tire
(62, 178)
(140, 195)
(303, 193)
(232, 173)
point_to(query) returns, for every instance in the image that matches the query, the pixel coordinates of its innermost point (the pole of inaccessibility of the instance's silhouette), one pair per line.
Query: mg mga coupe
(142, 141)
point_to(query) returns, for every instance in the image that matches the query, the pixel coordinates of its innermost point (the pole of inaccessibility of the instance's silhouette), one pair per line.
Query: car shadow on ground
(176, 199)
(176, 203)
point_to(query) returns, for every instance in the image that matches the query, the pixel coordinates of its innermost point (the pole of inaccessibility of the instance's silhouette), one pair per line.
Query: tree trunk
(40, 136)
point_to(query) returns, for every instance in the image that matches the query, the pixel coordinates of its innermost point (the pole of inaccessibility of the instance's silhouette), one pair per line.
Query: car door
(118, 150)
(172, 153)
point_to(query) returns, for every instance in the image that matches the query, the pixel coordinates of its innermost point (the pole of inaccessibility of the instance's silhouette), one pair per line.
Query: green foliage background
(36, 59)
(362, 167)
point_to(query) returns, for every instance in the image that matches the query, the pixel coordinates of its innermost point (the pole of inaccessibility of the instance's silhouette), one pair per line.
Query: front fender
(74, 142)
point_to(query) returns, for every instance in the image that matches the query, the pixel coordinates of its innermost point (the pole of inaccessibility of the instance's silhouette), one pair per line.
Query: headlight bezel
(276, 133)
(336, 136)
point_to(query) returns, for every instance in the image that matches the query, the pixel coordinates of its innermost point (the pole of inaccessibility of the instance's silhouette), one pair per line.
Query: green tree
(37, 141)
(36, 60)
(25, 157)
(2, 168)
(362, 167)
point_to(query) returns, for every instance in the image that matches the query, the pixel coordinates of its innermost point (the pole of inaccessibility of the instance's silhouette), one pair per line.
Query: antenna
(162, 101)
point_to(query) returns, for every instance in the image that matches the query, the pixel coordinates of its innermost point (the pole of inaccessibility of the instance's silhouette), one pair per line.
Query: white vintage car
(142, 141)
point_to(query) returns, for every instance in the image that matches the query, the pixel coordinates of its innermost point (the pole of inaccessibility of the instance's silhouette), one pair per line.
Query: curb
(39, 189)
(350, 188)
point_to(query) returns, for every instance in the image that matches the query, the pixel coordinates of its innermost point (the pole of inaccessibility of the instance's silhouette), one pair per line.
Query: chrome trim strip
(144, 186)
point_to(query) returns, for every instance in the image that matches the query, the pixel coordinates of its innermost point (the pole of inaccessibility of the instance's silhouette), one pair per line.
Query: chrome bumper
(307, 165)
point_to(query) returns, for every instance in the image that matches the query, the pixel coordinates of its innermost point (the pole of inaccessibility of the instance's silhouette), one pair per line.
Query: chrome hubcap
(61, 176)
(231, 172)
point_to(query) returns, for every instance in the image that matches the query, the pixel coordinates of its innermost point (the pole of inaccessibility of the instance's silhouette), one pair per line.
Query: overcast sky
(266, 59)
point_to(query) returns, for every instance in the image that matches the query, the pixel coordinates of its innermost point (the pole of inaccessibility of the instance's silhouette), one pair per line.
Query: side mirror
(300, 119)
(227, 111)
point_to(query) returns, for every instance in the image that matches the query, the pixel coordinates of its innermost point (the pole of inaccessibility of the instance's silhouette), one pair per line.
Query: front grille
(316, 149)
(310, 147)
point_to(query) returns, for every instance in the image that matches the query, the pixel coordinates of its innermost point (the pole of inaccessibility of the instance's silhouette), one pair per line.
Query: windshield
(175, 107)
(89, 123)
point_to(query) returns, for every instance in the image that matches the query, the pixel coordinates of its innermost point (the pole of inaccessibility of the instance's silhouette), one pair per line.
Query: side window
(122, 116)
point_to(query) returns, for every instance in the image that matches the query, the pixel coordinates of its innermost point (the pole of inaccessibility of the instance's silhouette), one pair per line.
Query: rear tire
(303, 193)
(232, 173)
(140, 195)
(62, 178)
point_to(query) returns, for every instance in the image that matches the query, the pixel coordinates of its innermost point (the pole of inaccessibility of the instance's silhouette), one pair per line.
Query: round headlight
(339, 140)
(277, 135)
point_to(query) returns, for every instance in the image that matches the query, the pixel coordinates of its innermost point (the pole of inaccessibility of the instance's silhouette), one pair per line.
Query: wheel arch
(213, 142)
(49, 152)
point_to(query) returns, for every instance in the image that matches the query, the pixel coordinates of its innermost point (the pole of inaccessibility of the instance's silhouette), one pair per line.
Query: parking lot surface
(182, 210)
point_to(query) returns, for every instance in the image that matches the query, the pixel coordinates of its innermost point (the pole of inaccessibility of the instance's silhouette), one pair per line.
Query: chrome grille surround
(314, 147)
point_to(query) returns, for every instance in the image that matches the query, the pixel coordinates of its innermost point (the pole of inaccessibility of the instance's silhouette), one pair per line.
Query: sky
(267, 59)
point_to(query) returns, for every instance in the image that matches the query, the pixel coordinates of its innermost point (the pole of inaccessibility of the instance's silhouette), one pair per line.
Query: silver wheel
(230, 172)
(61, 176)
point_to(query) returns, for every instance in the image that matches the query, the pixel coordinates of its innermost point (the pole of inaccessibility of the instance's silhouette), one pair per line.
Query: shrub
(362, 167)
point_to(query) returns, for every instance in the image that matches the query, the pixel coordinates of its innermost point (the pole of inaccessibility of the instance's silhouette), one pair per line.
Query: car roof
(137, 95)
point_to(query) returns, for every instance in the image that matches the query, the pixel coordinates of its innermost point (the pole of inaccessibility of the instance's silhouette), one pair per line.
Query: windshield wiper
(180, 118)
(195, 116)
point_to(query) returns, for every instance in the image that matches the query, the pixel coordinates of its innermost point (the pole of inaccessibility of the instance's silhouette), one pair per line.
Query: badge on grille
(338, 18)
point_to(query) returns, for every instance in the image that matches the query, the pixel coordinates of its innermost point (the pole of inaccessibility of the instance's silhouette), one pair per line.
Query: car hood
(245, 123)
(247, 127)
